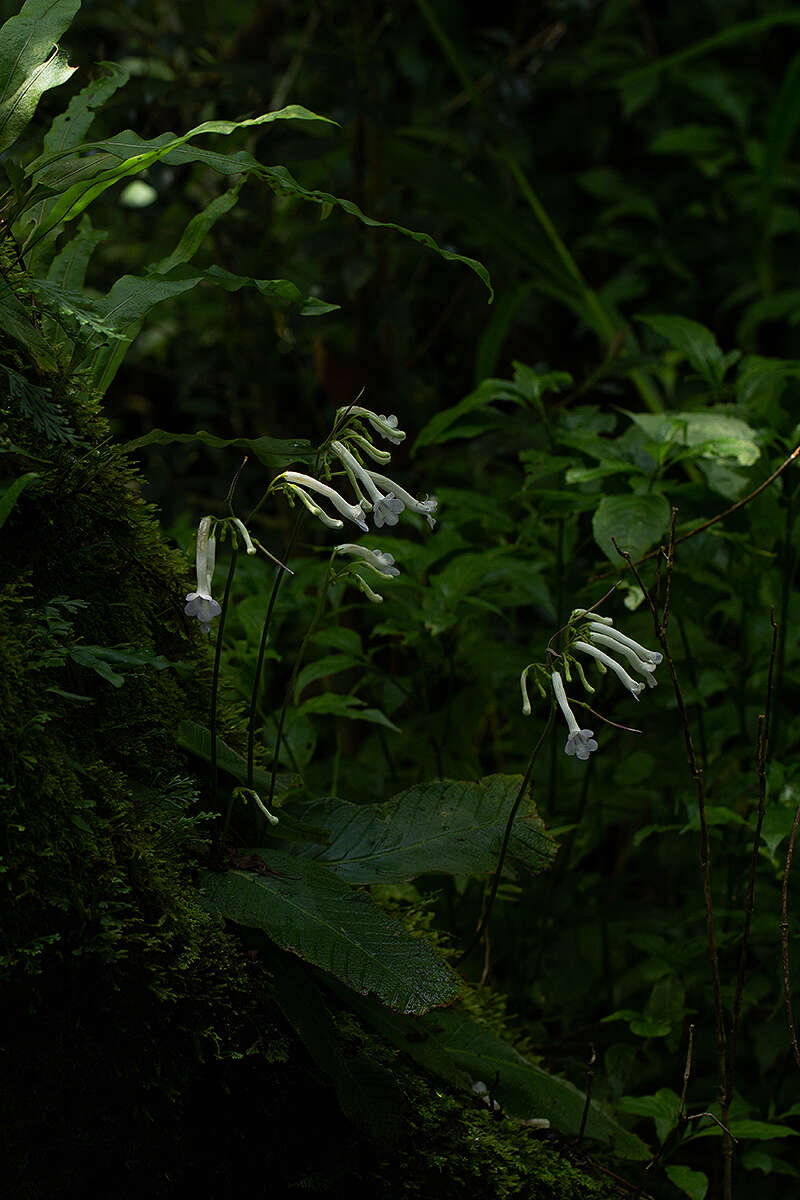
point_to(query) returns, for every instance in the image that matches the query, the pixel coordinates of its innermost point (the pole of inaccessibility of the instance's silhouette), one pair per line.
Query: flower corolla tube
(299, 483)
(580, 742)
(385, 426)
(377, 560)
(201, 603)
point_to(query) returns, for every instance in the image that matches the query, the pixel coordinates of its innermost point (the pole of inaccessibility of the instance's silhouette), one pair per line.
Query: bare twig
(705, 847)
(506, 839)
(687, 1071)
(589, 1085)
(787, 984)
(762, 743)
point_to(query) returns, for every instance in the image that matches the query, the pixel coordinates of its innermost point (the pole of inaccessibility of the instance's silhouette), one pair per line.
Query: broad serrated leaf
(636, 522)
(304, 908)
(523, 1089)
(447, 827)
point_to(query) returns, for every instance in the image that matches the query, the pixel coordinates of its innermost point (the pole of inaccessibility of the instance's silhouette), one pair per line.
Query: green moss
(147, 1050)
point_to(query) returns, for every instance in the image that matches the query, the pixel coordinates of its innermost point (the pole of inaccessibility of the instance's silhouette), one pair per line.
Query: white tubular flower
(385, 426)
(580, 742)
(201, 603)
(248, 541)
(633, 685)
(353, 512)
(385, 509)
(605, 639)
(427, 506)
(376, 560)
(650, 656)
(523, 687)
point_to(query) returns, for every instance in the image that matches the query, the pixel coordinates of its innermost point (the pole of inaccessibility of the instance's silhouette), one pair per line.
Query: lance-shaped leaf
(447, 827)
(30, 61)
(304, 908)
(274, 453)
(81, 179)
(523, 1089)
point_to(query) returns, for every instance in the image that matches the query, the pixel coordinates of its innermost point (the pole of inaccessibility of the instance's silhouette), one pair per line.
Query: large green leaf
(70, 127)
(306, 909)
(76, 178)
(30, 61)
(274, 453)
(79, 178)
(697, 343)
(714, 433)
(522, 1088)
(447, 827)
(636, 522)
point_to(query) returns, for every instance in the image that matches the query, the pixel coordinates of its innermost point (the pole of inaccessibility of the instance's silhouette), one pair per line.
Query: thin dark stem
(251, 721)
(787, 983)
(298, 662)
(762, 745)
(212, 720)
(697, 774)
(587, 1104)
(506, 838)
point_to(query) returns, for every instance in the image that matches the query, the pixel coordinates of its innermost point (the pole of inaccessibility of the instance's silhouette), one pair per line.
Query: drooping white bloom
(385, 426)
(386, 509)
(201, 603)
(299, 482)
(650, 656)
(580, 742)
(633, 685)
(377, 560)
(248, 541)
(611, 643)
(426, 506)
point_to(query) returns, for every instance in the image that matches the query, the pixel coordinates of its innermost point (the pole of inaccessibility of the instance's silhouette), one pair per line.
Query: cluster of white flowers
(375, 493)
(593, 633)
